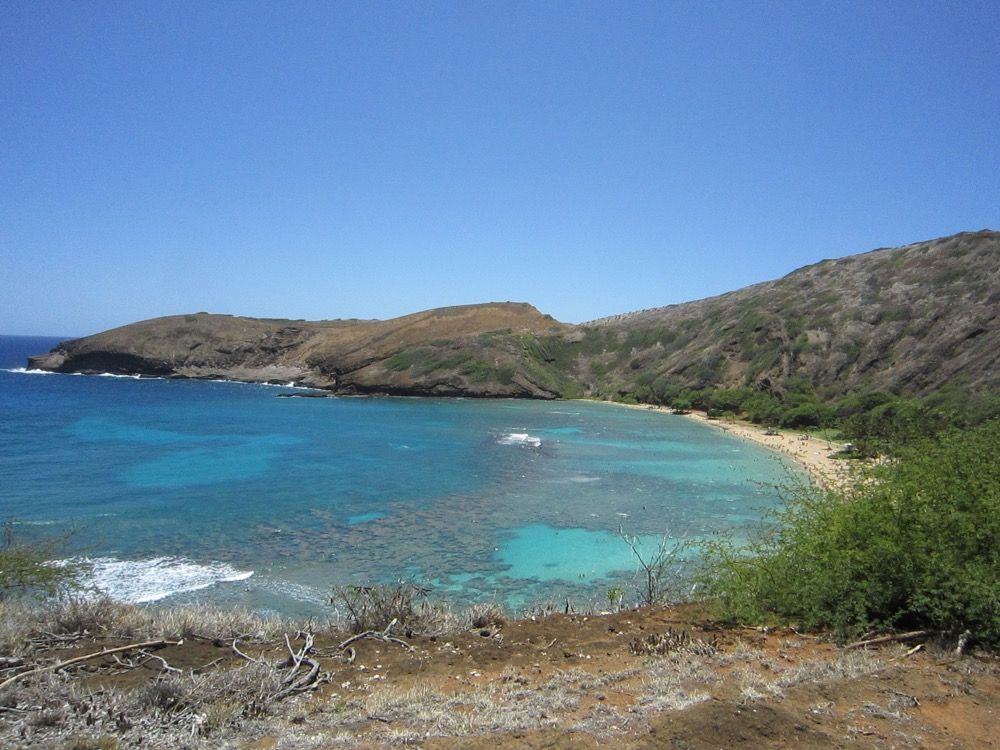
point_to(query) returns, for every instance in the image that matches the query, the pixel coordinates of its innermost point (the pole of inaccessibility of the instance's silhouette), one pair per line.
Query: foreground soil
(652, 678)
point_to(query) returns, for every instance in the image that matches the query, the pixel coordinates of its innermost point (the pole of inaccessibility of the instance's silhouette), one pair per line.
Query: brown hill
(447, 351)
(907, 320)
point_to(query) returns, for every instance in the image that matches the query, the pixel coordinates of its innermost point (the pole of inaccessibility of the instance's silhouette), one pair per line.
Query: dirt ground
(652, 678)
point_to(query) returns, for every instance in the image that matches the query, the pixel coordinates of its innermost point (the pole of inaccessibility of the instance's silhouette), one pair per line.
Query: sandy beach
(815, 455)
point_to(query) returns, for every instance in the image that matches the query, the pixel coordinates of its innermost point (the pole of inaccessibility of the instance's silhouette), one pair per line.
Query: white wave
(138, 581)
(290, 386)
(26, 371)
(520, 438)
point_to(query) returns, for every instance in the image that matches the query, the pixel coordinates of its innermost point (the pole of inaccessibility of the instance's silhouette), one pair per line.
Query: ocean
(179, 491)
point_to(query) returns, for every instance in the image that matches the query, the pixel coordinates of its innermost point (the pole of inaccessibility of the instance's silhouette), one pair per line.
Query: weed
(403, 605)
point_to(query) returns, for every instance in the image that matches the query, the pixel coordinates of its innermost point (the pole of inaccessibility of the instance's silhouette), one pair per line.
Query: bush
(400, 605)
(913, 544)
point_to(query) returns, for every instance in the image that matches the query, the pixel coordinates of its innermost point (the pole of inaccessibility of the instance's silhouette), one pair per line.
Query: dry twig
(80, 659)
(378, 635)
(895, 638)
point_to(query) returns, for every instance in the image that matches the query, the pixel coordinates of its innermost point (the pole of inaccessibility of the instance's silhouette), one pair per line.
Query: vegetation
(663, 568)
(381, 607)
(28, 569)
(913, 543)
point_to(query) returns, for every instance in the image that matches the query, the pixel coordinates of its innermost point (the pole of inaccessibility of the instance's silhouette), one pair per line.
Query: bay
(191, 490)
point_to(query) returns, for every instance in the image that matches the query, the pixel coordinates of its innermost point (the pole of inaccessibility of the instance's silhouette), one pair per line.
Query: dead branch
(377, 635)
(895, 638)
(15, 710)
(80, 659)
(241, 654)
(203, 667)
(164, 667)
(309, 681)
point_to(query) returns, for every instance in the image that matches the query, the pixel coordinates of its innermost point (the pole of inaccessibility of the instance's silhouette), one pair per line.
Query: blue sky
(331, 160)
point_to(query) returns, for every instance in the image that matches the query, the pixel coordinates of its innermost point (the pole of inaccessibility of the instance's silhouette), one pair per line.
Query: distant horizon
(320, 161)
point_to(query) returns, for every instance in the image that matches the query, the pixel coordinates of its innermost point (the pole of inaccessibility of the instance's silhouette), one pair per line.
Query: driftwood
(148, 657)
(294, 682)
(239, 653)
(895, 638)
(378, 635)
(80, 659)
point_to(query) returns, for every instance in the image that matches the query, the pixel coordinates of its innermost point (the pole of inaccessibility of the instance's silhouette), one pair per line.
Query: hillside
(443, 352)
(636, 679)
(906, 320)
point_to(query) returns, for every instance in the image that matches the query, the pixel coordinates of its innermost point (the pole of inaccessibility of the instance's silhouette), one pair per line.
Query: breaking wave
(139, 581)
(520, 438)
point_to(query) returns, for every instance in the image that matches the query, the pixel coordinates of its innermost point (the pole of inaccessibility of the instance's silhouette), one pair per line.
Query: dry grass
(230, 703)
(677, 681)
(497, 707)
(21, 622)
(765, 679)
(166, 712)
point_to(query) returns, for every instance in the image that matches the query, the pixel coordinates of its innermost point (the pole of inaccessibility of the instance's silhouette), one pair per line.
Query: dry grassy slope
(907, 319)
(647, 678)
(460, 350)
(448, 355)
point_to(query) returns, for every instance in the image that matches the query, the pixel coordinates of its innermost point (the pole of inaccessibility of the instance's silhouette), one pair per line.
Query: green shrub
(915, 543)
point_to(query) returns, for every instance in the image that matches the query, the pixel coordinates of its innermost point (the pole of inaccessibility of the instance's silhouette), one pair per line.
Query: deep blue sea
(191, 490)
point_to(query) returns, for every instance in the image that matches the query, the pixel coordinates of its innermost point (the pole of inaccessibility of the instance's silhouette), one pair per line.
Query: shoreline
(814, 455)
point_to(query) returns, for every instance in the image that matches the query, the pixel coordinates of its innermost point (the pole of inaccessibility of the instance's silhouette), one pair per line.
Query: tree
(662, 569)
(32, 569)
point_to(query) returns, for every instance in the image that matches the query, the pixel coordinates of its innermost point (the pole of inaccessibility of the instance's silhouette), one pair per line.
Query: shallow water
(222, 491)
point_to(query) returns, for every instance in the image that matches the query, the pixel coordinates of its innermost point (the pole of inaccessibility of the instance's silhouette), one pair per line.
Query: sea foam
(139, 581)
(26, 371)
(520, 438)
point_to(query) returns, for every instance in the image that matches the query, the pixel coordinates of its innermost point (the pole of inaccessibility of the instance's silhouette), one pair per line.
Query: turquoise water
(180, 490)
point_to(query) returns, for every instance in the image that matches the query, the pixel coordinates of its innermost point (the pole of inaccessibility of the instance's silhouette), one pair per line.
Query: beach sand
(815, 455)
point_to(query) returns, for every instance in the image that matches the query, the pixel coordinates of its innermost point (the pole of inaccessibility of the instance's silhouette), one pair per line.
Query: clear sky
(338, 159)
